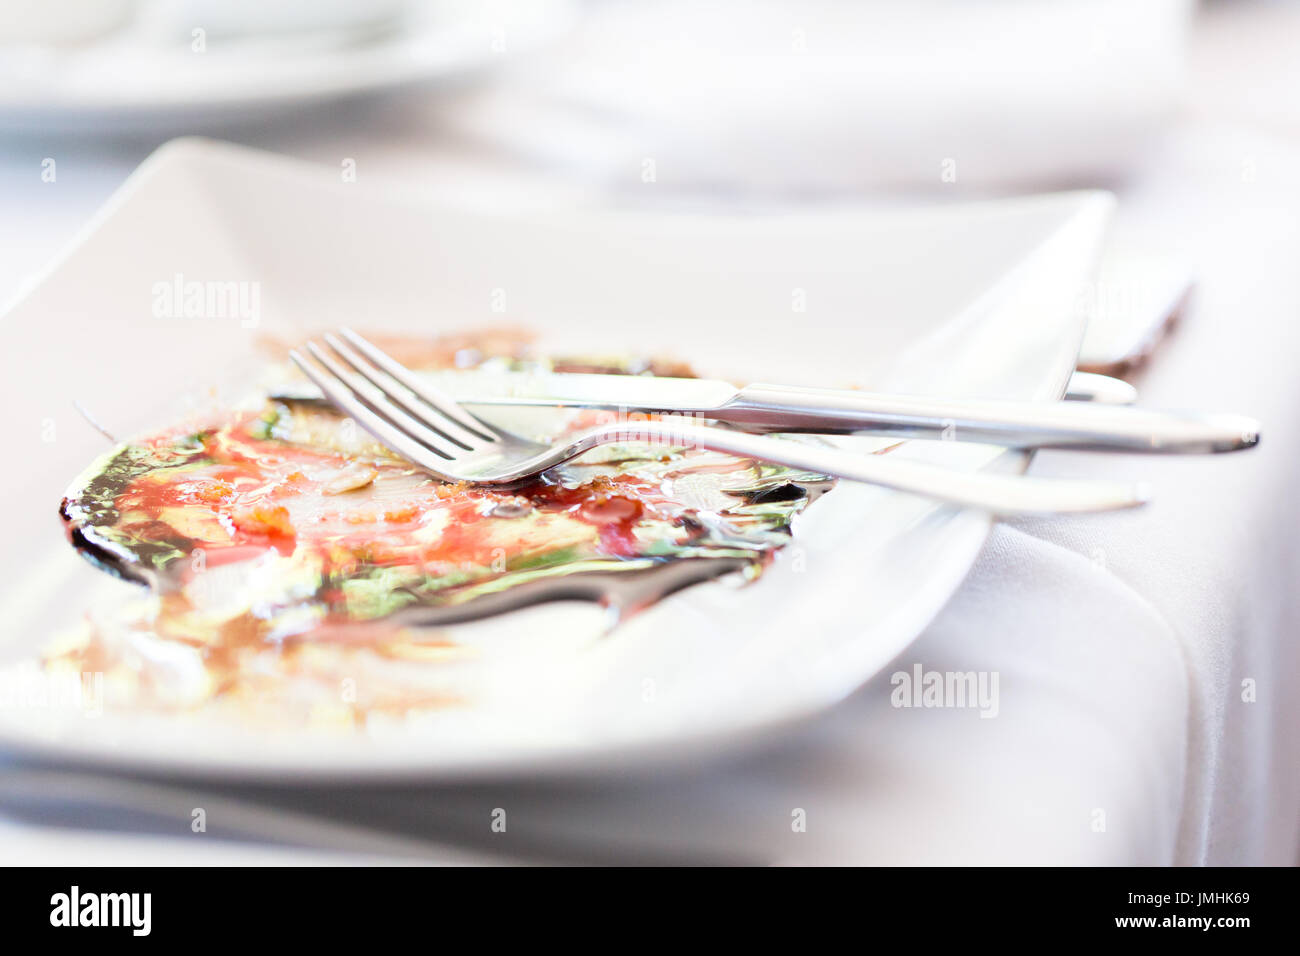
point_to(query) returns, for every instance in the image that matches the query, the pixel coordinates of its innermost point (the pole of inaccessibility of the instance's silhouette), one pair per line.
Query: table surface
(1144, 658)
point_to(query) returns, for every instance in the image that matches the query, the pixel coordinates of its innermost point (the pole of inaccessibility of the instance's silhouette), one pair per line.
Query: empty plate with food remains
(284, 598)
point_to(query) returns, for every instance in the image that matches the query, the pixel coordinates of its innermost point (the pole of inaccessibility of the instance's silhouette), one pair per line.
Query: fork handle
(997, 493)
(1073, 425)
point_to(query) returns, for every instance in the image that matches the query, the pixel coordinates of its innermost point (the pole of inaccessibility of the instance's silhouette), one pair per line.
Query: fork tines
(384, 397)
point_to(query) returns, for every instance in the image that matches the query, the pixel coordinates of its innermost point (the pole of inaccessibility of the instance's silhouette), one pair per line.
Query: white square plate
(977, 299)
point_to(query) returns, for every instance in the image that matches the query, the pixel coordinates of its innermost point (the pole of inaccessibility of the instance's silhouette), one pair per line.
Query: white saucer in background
(146, 69)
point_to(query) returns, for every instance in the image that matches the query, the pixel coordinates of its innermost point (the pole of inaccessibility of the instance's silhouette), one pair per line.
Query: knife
(786, 408)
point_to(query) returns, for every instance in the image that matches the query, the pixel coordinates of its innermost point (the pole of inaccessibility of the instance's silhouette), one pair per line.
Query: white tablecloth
(1145, 659)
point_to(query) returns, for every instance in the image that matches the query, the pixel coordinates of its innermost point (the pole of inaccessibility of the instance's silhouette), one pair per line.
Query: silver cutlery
(410, 416)
(1107, 425)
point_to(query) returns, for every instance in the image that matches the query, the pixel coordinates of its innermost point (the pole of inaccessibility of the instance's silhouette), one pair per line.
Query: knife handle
(1072, 425)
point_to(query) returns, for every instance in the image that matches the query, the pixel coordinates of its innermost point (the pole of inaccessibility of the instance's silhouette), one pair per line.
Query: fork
(422, 424)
